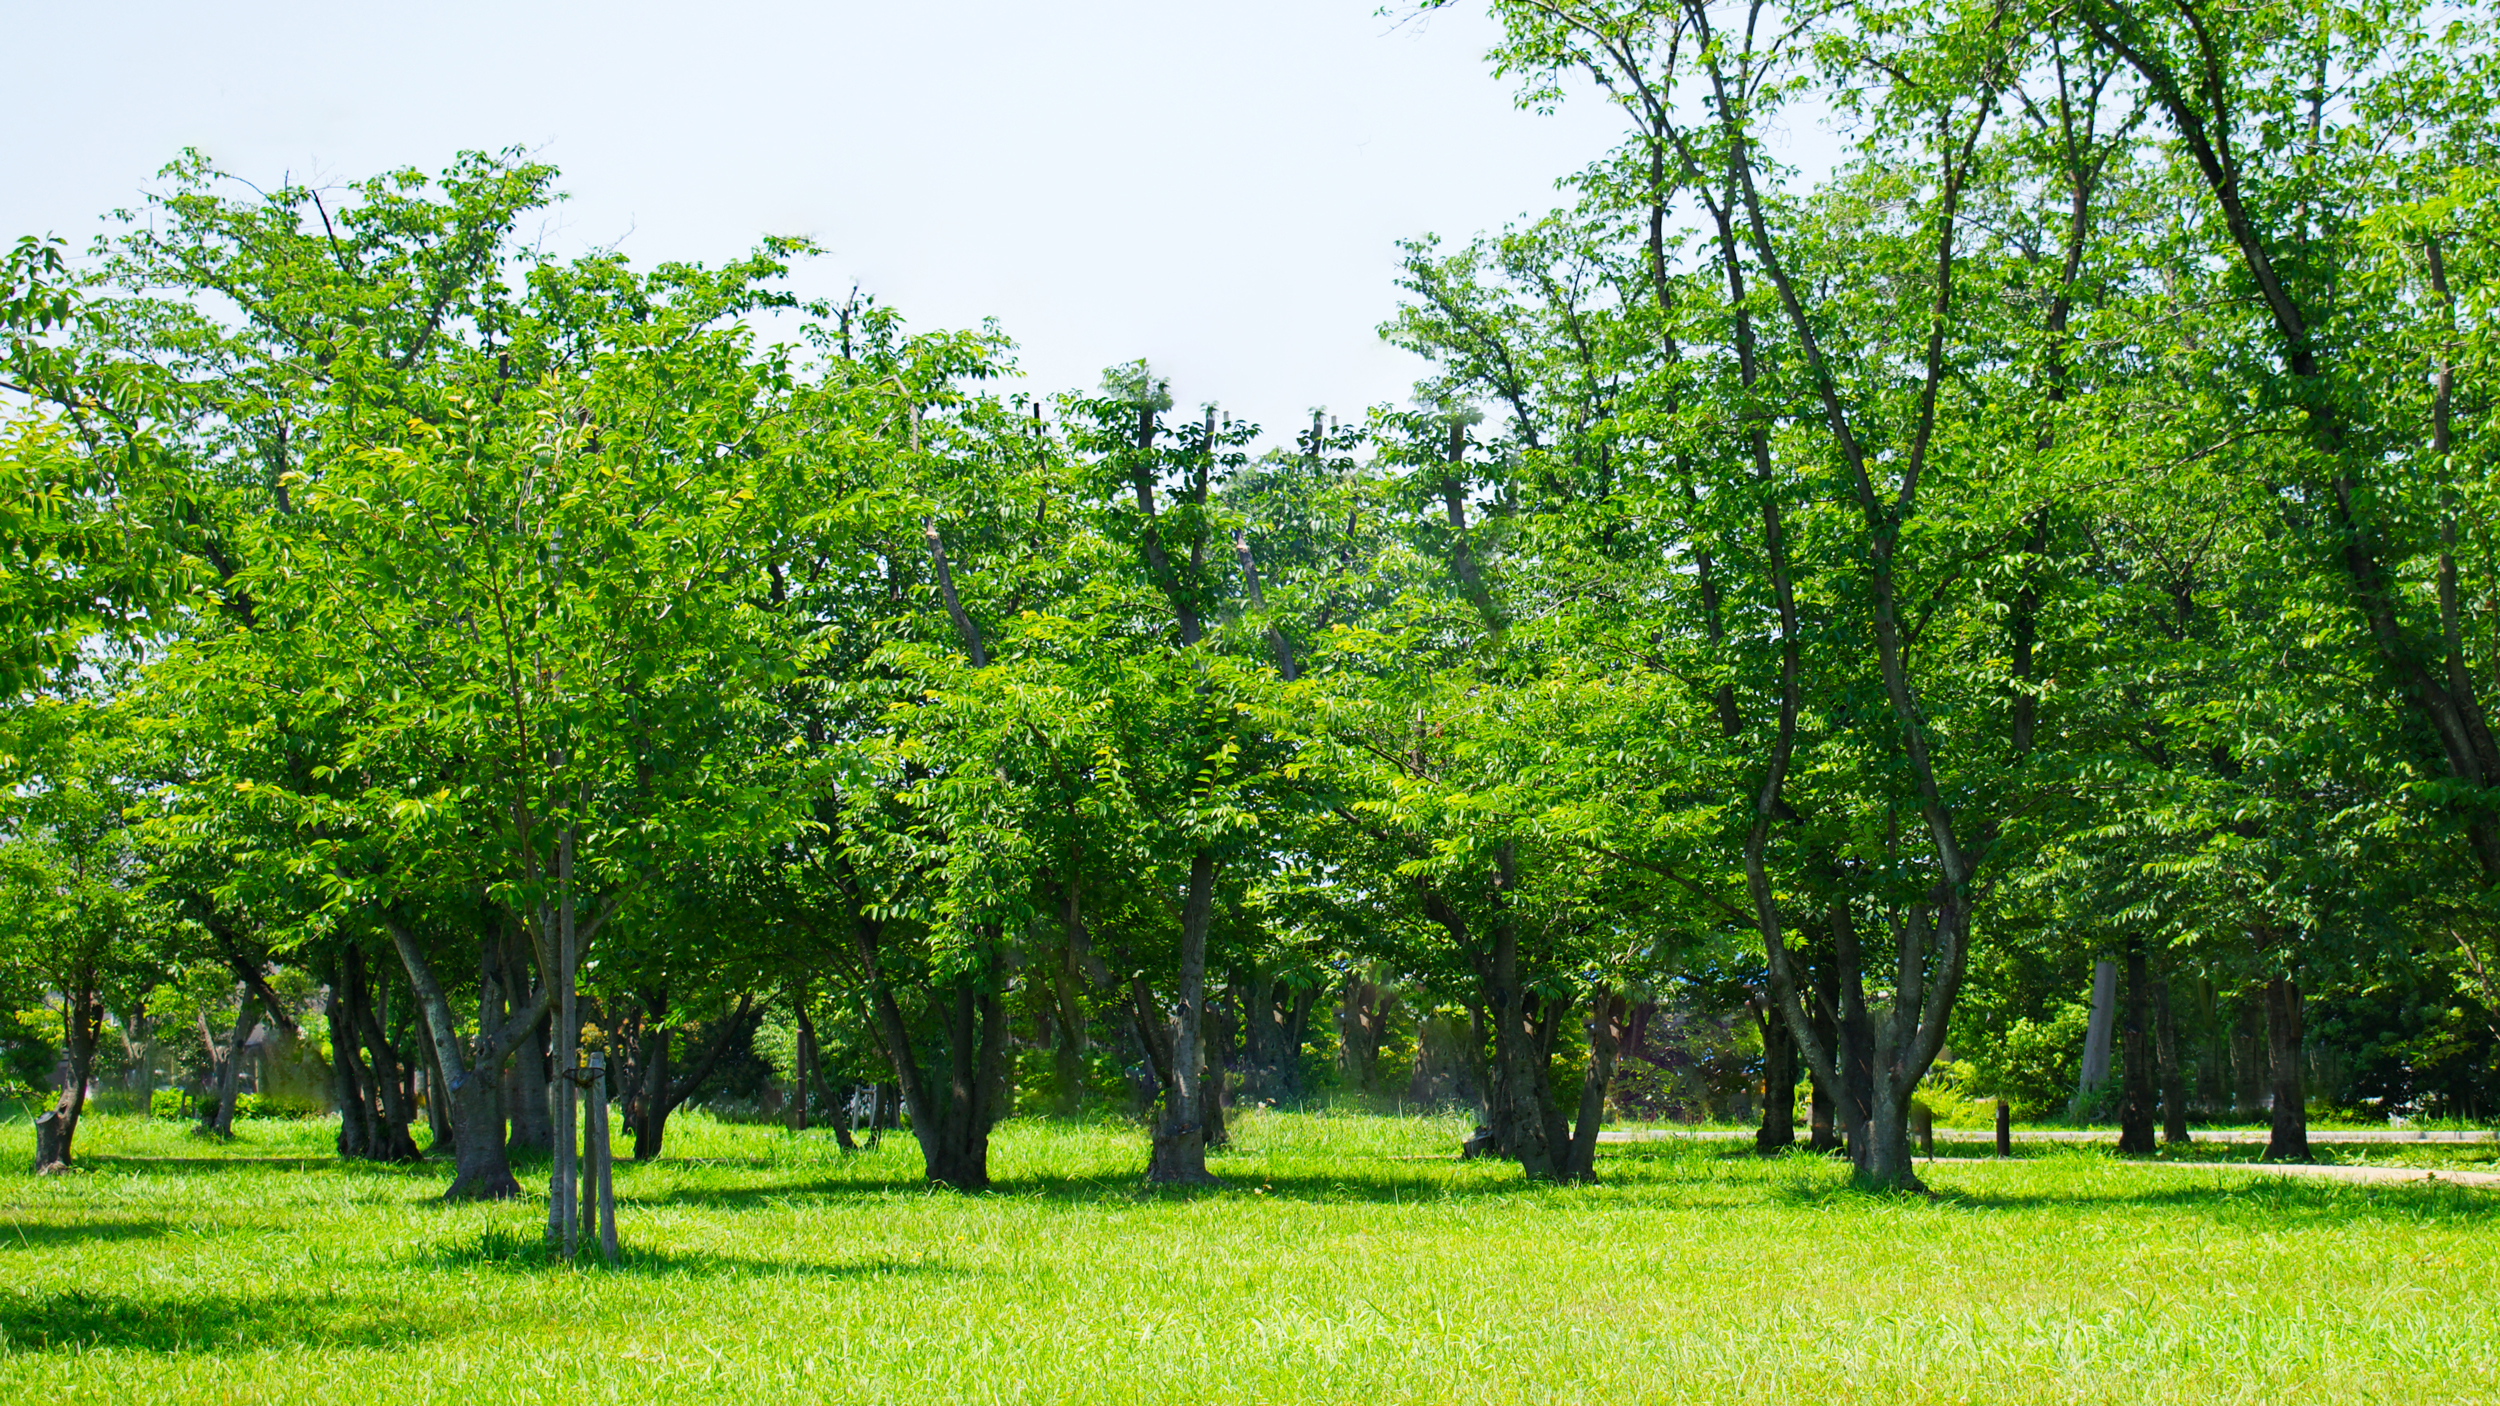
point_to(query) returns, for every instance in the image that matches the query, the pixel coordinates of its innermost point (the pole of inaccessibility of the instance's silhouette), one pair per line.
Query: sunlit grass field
(1351, 1259)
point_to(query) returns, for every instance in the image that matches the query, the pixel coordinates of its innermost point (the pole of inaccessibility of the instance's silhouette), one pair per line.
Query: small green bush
(277, 1106)
(174, 1103)
(2034, 1066)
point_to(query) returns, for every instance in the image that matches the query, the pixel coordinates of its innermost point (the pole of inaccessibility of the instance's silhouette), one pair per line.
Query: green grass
(1352, 1260)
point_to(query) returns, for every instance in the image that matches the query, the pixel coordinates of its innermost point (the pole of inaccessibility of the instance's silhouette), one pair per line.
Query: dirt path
(2414, 1175)
(2228, 1137)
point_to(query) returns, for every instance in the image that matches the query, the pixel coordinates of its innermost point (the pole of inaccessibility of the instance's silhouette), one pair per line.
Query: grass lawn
(1351, 1261)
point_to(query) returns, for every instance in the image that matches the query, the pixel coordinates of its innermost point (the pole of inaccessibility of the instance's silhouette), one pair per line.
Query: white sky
(1214, 186)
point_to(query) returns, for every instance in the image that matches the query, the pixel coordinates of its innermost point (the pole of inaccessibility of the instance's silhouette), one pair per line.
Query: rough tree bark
(2288, 1137)
(950, 1120)
(1362, 1026)
(1605, 1032)
(82, 1019)
(661, 1094)
(2173, 1082)
(347, 1081)
(2248, 1057)
(1179, 1152)
(1779, 1084)
(381, 1080)
(472, 1092)
(217, 1115)
(2136, 1110)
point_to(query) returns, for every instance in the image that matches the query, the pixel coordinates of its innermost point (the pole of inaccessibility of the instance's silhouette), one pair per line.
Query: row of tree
(2064, 527)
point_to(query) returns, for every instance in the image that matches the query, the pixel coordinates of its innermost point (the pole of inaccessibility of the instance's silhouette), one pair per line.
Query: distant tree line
(1859, 605)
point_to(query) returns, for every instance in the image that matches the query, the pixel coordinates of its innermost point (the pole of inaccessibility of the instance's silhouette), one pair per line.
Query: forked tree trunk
(1853, 1035)
(650, 1124)
(952, 1121)
(217, 1115)
(472, 1091)
(82, 1019)
(2136, 1111)
(1179, 1151)
(954, 1135)
(662, 1092)
(2288, 1140)
(347, 1085)
(388, 1113)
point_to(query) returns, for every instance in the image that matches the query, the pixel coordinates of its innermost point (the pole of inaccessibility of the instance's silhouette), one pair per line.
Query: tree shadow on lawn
(522, 1252)
(44, 1235)
(75, 1319)
(1362, 1179)
(190, 1166)
(2293, 1201)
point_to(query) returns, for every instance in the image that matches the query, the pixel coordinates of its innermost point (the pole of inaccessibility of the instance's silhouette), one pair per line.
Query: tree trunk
(2289, 1137)
(390, 1113)
(954, 1138)
(1605, 1031)
(2096, 1033)
(2136, 1110)
(1211, 1101)
(527, 1095)
(663, 1096)
(599, 1190)
(803, 1057)
(1779, 1086)
(1854, 1104)
(2248, 1058)
(1067, 1056)
(437, 1092)
(564, 1052)
(347, 1088)
(1179, 1153)
(1362, 1023)
(1824, 1113)
(472, 1089)
(1297, 1034)
(650, 1122)
(2173, 1082)
(1884, 1157)
(217, 1116)
(1515, 1113)
(82, 1019)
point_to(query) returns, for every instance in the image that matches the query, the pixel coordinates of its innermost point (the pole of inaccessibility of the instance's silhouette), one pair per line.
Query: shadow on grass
(1361, 1179)
(75, 1319)
(2291, 1202)
(249, 1162)
(21, 1235)
(523, 1252)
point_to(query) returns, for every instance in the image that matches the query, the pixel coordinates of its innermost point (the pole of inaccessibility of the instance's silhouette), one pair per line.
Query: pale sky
(1216, 187)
